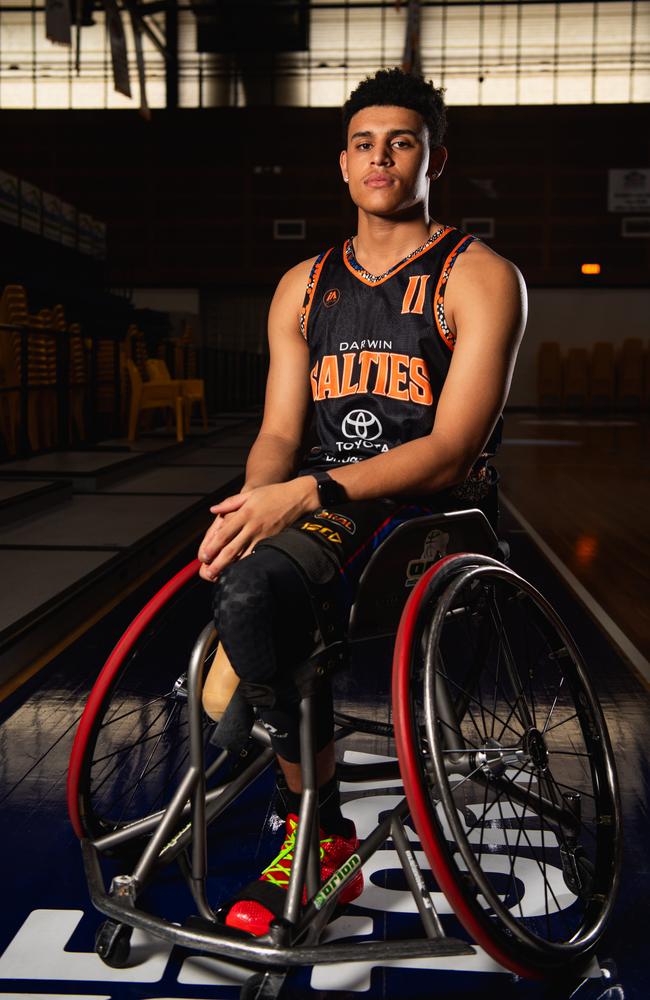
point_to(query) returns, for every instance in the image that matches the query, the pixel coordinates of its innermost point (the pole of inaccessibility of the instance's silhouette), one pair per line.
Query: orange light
(586, 549)
(590, 268)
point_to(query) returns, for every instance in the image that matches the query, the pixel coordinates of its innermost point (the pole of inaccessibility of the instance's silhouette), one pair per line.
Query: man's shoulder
(299, 273)
(293, 283)
(290, 293)
(479, 261)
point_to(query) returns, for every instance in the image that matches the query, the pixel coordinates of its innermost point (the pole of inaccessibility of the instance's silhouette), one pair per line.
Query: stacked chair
(153, 387)
(11, 315)
(53, 381)
(630, 366)
(149, 393)
(602, 378)
(185, 354)
(77, 372)
(549, 375)
(575, 383)
(41, 370)
(192, 389)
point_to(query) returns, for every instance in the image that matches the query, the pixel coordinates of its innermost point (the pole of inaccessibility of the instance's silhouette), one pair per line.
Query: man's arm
(273, 456)
(488, 309)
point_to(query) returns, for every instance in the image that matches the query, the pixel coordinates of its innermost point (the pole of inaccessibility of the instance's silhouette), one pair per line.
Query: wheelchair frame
(293, 939)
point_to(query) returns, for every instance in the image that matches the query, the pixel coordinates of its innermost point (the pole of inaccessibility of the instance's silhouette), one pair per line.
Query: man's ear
(343, 162)
(437, 160)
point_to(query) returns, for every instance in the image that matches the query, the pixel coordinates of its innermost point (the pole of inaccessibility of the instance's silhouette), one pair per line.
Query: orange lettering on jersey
(415, 290)
(328, 380)
(394, 375)
(420, 387)
(399, 367)
(366, 359)
(379, 387)
(347, 388)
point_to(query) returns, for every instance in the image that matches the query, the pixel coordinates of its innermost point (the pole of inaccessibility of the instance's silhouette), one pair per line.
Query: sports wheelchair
(502, 749)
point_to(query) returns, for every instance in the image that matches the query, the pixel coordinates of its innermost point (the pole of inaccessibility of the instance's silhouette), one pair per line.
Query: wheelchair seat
(403, 558)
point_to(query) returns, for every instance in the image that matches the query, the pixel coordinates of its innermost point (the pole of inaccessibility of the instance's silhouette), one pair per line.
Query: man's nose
(382, 154)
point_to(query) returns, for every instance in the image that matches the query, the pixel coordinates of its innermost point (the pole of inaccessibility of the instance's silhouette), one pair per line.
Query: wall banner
(629, 190)
(30, 207)
(9, 198)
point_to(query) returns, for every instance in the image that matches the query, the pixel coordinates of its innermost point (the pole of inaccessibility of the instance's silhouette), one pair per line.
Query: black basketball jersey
(379, 348)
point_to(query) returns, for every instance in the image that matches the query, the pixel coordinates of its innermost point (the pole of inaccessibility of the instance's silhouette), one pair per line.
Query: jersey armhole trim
(314, 275)
(439, 296)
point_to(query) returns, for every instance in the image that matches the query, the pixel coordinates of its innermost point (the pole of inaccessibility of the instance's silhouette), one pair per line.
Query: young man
(403, 343)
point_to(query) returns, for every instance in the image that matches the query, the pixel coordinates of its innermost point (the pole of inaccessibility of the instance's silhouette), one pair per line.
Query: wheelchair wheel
(507, 766)
(132, 742)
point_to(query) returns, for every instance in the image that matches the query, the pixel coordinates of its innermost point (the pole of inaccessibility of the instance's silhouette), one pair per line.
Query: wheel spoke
(114, 719)
(562, 723)
(477, 702)
(106, 775)
(131, 746)
(174, 712)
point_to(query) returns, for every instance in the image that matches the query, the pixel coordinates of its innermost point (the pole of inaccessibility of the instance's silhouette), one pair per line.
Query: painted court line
(618, 637)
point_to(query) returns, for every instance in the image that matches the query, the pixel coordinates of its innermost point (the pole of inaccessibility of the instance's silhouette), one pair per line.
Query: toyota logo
(361, 424)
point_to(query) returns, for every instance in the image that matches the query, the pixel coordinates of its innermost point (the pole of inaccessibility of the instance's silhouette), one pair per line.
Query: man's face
(387, 163)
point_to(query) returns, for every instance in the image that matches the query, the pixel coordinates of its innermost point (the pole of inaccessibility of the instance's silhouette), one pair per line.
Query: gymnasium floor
(574, 488)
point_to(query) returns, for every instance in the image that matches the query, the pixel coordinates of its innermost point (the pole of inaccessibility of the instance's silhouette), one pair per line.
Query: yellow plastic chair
(192, 389)
(152, 395)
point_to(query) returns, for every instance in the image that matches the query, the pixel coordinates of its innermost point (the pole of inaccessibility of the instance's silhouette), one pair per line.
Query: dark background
(189, 197)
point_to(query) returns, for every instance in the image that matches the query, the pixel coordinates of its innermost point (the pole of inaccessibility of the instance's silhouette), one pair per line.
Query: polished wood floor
(582, 484)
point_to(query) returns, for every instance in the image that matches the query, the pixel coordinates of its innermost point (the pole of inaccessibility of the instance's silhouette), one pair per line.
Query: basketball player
(401, 343)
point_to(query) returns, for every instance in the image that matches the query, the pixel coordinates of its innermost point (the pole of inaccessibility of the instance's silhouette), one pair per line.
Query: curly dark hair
(404, 90)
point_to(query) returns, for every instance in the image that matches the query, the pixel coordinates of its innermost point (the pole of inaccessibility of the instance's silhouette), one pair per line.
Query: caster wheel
(113, 944)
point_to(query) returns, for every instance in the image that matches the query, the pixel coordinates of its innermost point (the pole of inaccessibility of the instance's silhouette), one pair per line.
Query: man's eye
(401, 143)
(363, 145)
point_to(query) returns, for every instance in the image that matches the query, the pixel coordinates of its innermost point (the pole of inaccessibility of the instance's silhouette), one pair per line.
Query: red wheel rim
(415, 793)
(106, 677)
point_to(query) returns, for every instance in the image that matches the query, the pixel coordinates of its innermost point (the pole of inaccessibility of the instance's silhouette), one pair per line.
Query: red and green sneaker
(263, 900)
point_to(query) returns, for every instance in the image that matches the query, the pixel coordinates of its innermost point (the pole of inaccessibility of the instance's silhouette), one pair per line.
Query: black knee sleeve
(263, 616)
(265, 620)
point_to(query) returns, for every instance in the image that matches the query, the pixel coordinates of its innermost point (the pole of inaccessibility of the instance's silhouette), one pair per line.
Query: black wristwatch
(329, 491)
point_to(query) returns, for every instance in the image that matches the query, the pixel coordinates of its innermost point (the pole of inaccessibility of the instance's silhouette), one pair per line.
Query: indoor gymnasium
(324, 499)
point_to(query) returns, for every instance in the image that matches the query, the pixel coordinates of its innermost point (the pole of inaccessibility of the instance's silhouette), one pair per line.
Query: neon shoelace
(279, 871)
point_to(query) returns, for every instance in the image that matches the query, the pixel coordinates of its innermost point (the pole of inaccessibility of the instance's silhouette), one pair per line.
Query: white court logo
(361, 424)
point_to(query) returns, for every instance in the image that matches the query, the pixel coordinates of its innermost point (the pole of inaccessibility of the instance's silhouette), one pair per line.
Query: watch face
(330, 492)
